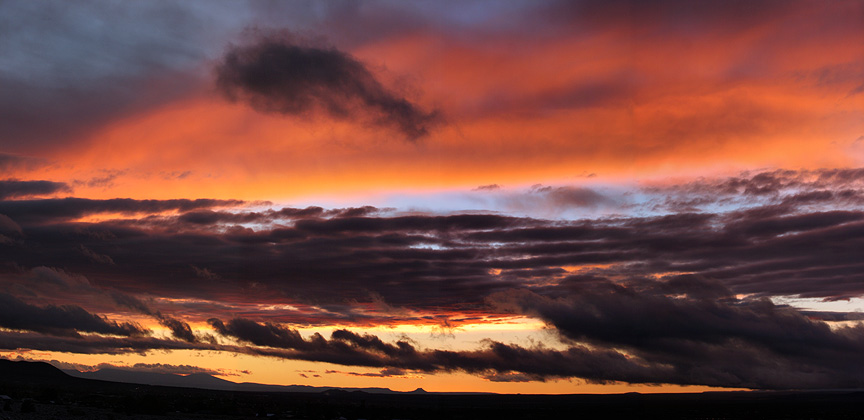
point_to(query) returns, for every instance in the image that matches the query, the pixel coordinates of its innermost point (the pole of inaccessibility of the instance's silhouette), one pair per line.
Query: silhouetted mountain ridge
(195, 380)
(27, 371)
(58, 394)
(205, 381)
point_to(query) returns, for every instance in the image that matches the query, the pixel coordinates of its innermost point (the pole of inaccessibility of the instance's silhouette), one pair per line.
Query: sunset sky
(503, 196)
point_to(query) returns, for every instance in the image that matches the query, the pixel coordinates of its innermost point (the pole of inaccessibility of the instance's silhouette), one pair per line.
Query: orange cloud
(621, 98)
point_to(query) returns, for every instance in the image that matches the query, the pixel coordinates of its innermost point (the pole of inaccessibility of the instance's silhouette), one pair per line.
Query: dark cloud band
(11, 188)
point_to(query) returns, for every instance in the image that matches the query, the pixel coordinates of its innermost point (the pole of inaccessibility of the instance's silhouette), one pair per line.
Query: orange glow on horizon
(181, 163)
(287, 372)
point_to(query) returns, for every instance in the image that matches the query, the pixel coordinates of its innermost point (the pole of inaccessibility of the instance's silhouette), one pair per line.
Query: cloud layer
(680, 297)
(11, 188)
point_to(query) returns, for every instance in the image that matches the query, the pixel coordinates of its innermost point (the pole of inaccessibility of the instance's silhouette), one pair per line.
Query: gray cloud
(279, 74)
(13, 188)
(653, 299)
(63, 320)
(673, 349)
(9, 162)
(712, 335)
(70, 208)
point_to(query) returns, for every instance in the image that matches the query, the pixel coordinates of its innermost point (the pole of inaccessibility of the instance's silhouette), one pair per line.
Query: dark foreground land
(40, 391)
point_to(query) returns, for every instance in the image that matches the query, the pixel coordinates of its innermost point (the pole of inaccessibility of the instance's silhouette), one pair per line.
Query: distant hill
(59, 395)
(205, 381)
(21, 371)
(40, 372)
(196, 380)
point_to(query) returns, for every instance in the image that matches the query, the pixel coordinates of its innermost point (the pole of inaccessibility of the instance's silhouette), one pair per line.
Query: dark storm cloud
(677, 298)
(63, 320)
(608, 316)
(348, 348)
(428, 260)
(210, 217)
(51, 210)
(743, 344)
(100, 258)
(131, 302)
(95, 344)
(403, 224)
(179, 329)
(266, 334)
(594, 365)
(661, 356)
(13, 188)
(713, 341)
(8, 225)
(772, 226)
(279, 74)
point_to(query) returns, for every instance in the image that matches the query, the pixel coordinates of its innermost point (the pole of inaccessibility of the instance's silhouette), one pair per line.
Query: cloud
(9, 163)
(70, 208)
(692, 332)
(62, 320)
(809, 355)
(205, 273)
(278, 73)
(512, 377)
(728, 341)
(266, 334)
(571, 196)
(92, 344)
(164, 368)
(674, 298)
(57, 278)
(348, 348)
(100, 258)
(383, 373)
(131, 302)
(743, 344)
(13, 188)
(8, 225)
(179, 329)
(548, 201)
(172, 369)
(489, 187)
(405, 259)
(789, 189)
